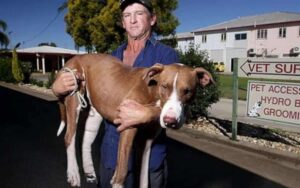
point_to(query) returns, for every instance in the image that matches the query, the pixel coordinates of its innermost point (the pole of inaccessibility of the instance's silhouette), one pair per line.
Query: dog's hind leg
(90, 132)
(72, 110)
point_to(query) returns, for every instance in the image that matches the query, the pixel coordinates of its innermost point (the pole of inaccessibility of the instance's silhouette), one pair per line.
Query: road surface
(33, 157)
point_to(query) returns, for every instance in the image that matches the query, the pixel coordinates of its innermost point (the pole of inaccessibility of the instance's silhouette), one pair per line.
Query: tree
(78, 20)
(47, 44)
(204, 96)
(96, 24)
(16, 68)
(4, 40)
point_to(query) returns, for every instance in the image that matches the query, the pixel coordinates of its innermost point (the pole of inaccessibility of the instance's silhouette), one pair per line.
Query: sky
(31, 22)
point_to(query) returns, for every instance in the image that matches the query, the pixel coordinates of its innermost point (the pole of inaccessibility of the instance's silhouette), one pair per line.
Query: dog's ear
(152, 72)
(204, 77)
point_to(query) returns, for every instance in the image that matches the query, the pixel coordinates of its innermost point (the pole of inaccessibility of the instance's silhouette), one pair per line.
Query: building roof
(264, 19)
(49, 50)
(178, 36)
(184, 35)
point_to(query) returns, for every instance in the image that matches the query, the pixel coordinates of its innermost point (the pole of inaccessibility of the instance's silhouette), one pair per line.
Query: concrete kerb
(28, 91)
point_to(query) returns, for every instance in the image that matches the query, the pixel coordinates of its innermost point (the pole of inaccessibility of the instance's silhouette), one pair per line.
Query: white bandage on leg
(91, 129)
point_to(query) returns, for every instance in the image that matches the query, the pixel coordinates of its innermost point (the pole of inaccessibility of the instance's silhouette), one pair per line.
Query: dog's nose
(170, 122)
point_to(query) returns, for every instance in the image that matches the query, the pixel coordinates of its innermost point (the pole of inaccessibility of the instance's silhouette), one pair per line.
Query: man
(140, 50)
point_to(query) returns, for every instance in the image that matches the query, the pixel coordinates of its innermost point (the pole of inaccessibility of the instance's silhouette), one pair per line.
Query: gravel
(276, 139)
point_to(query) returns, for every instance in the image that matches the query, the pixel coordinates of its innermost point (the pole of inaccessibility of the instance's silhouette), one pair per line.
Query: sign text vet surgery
(276, 68)
(275, 101)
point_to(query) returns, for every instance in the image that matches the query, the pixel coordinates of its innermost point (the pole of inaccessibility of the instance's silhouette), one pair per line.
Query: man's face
(137, 21)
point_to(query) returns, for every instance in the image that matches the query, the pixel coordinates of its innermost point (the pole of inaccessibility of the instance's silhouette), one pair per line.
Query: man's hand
(64, 83)
(131, 114)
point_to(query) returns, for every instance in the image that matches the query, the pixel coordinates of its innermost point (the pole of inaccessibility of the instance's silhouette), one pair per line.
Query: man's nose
(133, 18)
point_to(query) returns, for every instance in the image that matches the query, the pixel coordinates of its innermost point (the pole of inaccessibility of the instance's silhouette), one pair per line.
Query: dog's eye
(164, 86)
(186, 91)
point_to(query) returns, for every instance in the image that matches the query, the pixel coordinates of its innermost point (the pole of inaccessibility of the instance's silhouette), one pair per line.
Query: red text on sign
(287, 68)
(257, 87)
(261, 67)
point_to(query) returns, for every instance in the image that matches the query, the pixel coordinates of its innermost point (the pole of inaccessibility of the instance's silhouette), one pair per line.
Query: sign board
(274, 101)
(279, 68)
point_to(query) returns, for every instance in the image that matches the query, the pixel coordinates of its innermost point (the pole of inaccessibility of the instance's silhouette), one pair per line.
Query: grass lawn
(226, 85)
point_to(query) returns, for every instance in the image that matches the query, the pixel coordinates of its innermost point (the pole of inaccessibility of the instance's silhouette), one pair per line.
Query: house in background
(46, 58)
(185, 41)
(272, 35)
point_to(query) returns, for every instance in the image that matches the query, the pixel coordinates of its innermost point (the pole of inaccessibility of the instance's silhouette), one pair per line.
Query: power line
(44, 29)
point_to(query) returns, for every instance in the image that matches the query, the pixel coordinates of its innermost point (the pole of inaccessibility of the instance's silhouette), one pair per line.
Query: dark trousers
(158, 178)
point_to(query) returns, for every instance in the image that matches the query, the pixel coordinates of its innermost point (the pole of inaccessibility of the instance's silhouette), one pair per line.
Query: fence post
(234, 98)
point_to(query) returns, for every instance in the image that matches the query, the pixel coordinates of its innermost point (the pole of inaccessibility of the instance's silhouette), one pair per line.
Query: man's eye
(140, 12)
(126, 15)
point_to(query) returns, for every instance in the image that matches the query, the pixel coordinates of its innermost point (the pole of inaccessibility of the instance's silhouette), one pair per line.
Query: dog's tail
(63, 117)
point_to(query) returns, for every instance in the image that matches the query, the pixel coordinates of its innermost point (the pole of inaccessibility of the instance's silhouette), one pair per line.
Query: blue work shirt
(154, 52)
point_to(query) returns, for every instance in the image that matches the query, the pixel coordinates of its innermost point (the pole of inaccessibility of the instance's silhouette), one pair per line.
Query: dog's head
(176, 87)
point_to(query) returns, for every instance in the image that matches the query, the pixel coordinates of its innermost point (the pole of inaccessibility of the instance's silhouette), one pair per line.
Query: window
(241, 36)
(262, 34)
(204, 38)
(223, 37)
(282, 32)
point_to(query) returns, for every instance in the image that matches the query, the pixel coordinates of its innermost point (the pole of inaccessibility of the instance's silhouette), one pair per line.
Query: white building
(185, 41)
(269, 35)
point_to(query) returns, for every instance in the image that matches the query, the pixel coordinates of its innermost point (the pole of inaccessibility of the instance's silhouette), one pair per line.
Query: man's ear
(204, 77)
(152, 72)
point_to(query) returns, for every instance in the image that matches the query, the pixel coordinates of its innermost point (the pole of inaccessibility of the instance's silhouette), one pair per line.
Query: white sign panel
(274, 101)
(270, 68)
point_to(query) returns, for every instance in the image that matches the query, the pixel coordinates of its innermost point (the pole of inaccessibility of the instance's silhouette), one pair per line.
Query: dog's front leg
(90, 132)
(73, 110)
(124, 150)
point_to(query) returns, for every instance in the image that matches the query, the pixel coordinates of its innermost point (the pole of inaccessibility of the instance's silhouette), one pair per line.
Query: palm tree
(4, 40)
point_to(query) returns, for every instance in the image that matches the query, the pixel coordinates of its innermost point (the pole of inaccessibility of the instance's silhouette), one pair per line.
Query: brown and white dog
(107, 82)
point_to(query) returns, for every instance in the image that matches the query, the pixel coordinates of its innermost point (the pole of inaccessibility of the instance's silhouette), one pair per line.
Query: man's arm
(63, 84)
(132, 113)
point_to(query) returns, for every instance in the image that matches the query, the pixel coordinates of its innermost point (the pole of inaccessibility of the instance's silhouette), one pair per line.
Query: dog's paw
(73, 178)
(91, 178)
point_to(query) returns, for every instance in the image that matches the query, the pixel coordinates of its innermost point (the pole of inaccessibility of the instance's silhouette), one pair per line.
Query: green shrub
(27, 70)
(16, 68)
(51, 79)
(40, 83)
(204, 96)
(36, 82)
(5, 70)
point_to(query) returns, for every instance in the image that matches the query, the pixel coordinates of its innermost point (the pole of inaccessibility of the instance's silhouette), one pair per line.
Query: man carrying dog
(140, 50)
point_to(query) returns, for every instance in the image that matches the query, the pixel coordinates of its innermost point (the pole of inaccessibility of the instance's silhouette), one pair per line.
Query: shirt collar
(151, 40)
